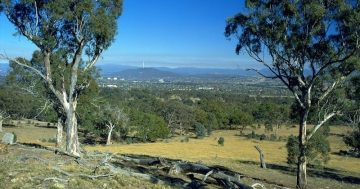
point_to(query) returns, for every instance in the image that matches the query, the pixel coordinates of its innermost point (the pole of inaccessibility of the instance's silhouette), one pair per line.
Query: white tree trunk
(301, 181)
(72, 141)
(1, 122)
(59, 135)
(111, 128)
(262, 157)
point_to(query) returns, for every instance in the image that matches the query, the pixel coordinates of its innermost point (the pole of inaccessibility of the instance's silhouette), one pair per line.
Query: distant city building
(111, 86)
(206, 88)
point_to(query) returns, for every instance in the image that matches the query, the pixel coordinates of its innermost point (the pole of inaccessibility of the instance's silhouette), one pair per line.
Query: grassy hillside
(238, 154)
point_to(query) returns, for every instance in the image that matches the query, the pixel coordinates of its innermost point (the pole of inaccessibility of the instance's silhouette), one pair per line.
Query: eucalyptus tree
(114, 117)
(80, 31)
(301, 43)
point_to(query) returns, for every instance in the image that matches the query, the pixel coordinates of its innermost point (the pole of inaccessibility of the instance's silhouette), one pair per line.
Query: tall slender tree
(74, 30)
(311, 46)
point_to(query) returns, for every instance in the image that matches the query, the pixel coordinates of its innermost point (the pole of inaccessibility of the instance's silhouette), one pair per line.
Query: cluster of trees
(163, 113)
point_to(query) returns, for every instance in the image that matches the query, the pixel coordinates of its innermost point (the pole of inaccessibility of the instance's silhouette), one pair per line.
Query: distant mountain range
(136, 73)
(144, 74)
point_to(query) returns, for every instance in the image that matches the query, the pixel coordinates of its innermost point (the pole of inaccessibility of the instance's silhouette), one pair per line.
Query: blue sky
(171, 33)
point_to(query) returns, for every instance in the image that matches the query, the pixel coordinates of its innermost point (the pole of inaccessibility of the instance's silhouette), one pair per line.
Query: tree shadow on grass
(327, 173)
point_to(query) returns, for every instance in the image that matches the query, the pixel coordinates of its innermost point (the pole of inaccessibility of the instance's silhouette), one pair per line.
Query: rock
(59, 186)
(3, 149)
(9, 138)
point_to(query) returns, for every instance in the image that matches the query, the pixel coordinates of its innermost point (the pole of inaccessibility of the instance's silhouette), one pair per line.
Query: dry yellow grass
(235, 148)
(31, 134)
(239, 149)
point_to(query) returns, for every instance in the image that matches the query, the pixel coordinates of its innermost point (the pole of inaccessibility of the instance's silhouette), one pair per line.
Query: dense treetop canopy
(297, 33)
(59, 24)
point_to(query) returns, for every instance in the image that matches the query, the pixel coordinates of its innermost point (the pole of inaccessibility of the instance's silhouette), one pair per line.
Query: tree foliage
(317, 149)
(310, 46)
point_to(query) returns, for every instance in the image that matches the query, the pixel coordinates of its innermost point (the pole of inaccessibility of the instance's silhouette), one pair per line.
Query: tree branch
(331, 88)
(326, 118)
(93, 61)
(36, 71)
(263, 75)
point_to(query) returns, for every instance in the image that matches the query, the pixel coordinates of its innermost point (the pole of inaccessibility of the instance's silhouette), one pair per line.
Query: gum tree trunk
(302, 161)
(1, 123)
(72, 141)
(59, 135)
(111, 128)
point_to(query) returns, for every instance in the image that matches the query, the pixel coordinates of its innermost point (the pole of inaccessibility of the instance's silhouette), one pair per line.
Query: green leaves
(52, 25)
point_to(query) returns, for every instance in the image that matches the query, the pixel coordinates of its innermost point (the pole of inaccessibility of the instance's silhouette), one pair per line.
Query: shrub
(209, 130)
(15, 137)
(292, 147)
(200, 130)
(262, 137)
(253, 134)
(152, 127)
(273, 137)
(185, 139)
(221, 141)
(268, 127)
(353, 140)
(52, 140)
(317, 149)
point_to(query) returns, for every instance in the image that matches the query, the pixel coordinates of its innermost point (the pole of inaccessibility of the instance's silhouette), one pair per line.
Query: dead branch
(207, 174)
(258, 184)
(221, 177)
(55, 150)
(56, 179)
(92, 177)
(140, 161)
(262, 157)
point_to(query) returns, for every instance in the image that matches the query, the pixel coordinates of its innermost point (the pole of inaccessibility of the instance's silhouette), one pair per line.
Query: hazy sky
(172, 33)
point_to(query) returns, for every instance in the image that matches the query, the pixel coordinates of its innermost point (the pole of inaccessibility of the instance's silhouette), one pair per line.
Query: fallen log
(221, 177)
(140, 161)
(55, 150)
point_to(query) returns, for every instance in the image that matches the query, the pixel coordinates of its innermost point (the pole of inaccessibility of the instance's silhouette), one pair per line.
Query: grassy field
(235, 148)
(238, 154)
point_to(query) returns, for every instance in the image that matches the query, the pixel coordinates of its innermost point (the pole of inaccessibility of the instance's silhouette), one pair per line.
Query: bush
(152, 127)
(292, 147)
(51, 140)
(273, 137)
(253, 134)
(221, 141)
(317, 150)
(15, 137)
(262, 137)
(268, 127)
(185, 139)
(200, 130)
(353, 140)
